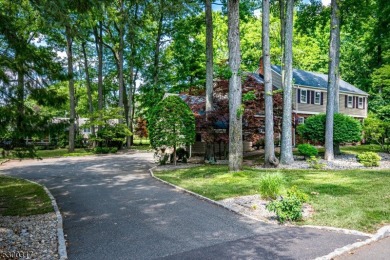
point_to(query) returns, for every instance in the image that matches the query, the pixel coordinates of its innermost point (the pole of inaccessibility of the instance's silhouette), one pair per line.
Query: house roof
(313, 79)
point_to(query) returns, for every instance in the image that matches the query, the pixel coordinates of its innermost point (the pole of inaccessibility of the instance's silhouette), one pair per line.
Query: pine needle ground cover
(22, 198)
(353, 199)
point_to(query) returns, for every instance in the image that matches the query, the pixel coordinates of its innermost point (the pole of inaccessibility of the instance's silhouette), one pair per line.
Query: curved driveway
(113, 209)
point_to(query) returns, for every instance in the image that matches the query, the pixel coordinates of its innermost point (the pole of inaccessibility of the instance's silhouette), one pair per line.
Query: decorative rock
(35, 235)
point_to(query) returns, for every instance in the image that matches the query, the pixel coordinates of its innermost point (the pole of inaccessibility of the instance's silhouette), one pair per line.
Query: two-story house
(309, 98)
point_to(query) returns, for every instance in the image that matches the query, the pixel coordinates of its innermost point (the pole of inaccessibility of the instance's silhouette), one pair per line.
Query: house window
(301, 120)
(360, 103)
(350, 102)
(317, 98)
(261, 129)
(303, 96)
(87, 130)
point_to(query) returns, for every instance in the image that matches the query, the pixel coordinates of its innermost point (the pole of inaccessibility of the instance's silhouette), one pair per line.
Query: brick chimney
(261, 67)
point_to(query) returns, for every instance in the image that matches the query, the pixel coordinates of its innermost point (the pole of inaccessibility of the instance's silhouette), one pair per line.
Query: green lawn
(354, 199)
(138, 141)
(141, 147)
(62, 152)
(361, 148)
(23, 198)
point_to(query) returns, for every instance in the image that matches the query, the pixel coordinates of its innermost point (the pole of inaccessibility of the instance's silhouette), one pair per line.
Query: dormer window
(303, 96)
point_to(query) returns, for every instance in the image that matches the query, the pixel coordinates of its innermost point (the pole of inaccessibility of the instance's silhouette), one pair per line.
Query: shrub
(289, 208)
(307, 150)
(271, 185)
(113, 150)
(101, 150)
(369, 159)
(181, 153)
(299, 194)
(314, 163)
(163, 160)
(346, 129)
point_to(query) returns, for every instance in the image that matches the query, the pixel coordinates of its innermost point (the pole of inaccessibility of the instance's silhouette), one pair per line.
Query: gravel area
(255, 206)
(32, 237)
(341, 162)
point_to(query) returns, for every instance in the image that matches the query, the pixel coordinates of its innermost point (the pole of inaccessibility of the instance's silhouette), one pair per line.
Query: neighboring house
(309, 98)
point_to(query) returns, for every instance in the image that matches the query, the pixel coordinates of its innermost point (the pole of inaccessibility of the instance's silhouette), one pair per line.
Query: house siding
(355, 112)
(276, 79)
(309, 108)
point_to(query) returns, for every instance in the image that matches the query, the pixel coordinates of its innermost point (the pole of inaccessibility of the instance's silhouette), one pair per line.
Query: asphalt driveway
(113, 209)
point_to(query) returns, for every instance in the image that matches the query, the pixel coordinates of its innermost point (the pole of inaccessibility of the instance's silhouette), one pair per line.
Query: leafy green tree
(172, 124)
(377, 130)
(346, 129)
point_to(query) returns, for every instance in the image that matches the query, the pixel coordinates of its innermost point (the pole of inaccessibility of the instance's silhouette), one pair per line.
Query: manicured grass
(361, 148)
(354, 199)
(141, 147)
(138, 141)
(23, 198)
(62, 152)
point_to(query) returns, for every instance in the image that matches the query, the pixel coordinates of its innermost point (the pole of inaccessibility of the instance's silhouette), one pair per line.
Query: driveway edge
(382, 233)
(60, 230)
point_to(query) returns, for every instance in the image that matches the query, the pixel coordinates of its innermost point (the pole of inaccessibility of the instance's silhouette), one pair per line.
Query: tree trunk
(72, 113)
(122, 90)
(132, 85)
(89, 89)
(282, 7)
(235, 92)
(209, 56)
(157, 46)
(20, 104)
(286, 154)
(269, 147)
(334, 50)
(209, 148)
(98, 32)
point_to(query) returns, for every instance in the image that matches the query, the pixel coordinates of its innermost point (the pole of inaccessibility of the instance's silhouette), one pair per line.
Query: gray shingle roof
(313, 79)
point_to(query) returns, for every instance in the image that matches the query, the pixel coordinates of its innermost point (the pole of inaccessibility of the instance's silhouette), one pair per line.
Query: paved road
(113, 209)
(379, 250)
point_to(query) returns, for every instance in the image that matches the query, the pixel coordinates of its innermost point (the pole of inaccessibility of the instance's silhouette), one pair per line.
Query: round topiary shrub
(346, 129)
(307, 150)
(369, 159)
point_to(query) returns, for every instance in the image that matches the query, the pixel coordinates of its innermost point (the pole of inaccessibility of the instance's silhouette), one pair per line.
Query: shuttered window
(350, 103)
(317, 98)
(303, 96)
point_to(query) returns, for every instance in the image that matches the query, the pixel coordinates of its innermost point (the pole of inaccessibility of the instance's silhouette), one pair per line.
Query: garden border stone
(63, 255)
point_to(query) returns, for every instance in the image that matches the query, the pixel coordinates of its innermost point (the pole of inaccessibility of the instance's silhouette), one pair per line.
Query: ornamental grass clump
(369, 159)
(271, 185)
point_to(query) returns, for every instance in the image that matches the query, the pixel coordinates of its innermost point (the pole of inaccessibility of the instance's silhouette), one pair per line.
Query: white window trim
(360, 99)
(301, 118)
(315, 98)
(304, 96)
(350, 105)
